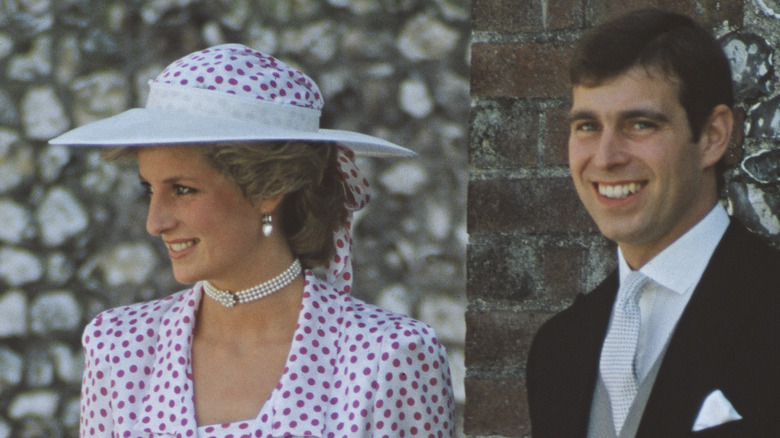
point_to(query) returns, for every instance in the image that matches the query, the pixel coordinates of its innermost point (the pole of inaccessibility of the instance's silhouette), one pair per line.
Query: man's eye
(642, 125)
(585, 126)
(183, 190)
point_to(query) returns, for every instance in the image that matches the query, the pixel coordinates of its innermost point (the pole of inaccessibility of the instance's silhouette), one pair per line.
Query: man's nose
(611, 149)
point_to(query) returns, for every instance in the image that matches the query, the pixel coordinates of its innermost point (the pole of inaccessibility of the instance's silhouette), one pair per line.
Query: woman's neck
(270, 318)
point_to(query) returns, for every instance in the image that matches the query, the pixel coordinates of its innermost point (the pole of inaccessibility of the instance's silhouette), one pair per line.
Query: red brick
(496, 407)
(565, 14)
(708, 12)
(525, 16)
(504, 135)
(556, 136)
(506, 15)
(524, 69)
(500, 267)
(529, 206)
(501, 338)
(562, 271)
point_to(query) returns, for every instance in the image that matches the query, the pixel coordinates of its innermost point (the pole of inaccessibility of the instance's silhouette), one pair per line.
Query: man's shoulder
(741, 252)
(587, 316)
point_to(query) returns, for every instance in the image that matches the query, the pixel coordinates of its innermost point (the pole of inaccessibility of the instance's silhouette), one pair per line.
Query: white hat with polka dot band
(226, 93)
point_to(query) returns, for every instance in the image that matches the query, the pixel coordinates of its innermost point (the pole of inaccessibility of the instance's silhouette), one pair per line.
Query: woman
(246, 191)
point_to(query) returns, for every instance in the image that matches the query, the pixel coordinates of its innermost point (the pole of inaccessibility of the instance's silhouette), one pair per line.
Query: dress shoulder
(395, 366)
(374, 319)
(124, 321)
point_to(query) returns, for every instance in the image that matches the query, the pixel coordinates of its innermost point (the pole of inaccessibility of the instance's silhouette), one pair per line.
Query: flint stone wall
(72, 238)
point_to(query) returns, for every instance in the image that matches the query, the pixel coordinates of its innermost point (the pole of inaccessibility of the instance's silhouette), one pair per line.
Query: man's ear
(716, 135)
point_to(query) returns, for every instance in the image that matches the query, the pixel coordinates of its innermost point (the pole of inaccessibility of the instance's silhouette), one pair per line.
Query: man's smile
(619, 191)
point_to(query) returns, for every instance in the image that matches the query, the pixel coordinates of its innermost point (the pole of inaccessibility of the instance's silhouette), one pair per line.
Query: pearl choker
(230, 299)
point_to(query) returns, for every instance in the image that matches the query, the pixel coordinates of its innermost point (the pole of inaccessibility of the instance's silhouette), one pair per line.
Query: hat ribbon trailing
(358, 194)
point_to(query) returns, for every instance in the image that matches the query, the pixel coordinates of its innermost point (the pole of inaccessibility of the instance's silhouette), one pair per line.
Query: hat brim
(148, 127)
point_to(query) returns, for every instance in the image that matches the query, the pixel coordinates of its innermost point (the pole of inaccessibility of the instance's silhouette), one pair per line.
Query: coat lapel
(568, 364)
(707, 331)
(593, 325)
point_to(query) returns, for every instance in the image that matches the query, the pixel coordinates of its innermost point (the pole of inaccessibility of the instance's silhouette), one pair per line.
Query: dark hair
(664, 41)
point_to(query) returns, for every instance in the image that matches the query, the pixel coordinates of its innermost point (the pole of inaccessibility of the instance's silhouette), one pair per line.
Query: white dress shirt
(674, 273)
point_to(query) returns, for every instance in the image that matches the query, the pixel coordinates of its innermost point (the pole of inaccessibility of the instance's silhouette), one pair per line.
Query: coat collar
(171, 379)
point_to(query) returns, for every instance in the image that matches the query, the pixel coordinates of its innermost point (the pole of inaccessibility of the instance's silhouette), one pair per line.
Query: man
(694, 348)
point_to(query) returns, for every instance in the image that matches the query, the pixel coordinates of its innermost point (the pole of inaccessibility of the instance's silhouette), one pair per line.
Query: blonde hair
(306, 174)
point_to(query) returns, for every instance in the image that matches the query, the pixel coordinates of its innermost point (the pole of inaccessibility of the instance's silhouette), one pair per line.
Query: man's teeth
(619, 191)
(182, 246)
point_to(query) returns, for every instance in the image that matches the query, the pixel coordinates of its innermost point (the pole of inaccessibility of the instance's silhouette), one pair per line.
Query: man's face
(634, 163)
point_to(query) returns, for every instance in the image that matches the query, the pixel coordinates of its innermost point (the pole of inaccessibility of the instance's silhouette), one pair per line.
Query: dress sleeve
(96, 411)
(414, 388)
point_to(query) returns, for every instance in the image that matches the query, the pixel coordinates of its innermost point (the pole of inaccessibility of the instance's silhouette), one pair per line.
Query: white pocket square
(715, 410)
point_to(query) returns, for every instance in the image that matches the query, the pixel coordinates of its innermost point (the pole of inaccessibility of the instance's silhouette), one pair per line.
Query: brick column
(532, 246)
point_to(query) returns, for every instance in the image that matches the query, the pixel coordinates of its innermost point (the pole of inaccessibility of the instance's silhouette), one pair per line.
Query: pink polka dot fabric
(354, 370)
(358, 194)
(239, 70)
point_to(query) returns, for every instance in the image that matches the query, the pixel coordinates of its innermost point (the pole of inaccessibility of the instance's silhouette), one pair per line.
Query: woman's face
(211, 230)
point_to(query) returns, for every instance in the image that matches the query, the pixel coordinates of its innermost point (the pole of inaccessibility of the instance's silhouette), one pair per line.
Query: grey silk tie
(619, 349)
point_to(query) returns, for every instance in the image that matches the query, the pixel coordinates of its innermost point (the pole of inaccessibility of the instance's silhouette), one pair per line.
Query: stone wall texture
(72, 238)
(532, 246)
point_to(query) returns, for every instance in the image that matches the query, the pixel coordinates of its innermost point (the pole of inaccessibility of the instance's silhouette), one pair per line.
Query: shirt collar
(680, 265)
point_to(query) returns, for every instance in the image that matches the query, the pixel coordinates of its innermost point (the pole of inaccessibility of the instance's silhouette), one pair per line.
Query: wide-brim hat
(226, 93)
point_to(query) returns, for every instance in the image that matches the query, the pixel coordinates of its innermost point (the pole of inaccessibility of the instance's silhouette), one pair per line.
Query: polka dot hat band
(251, 85)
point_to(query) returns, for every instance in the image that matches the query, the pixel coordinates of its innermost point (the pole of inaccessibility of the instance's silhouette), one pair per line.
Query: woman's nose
(159, 217)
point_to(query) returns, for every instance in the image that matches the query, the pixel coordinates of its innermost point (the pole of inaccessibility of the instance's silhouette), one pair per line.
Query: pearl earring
(268, 228)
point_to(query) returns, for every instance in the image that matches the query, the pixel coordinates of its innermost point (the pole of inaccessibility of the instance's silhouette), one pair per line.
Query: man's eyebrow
(645, 114)
(625, 115)
(581, 115)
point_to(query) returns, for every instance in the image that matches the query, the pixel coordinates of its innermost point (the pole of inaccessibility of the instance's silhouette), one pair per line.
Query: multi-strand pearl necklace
(230, 299)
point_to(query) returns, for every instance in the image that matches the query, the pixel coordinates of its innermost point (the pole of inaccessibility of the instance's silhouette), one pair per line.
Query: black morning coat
(728, 338)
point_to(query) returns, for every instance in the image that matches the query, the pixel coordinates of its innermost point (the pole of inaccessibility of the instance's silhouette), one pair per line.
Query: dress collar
(171, 378)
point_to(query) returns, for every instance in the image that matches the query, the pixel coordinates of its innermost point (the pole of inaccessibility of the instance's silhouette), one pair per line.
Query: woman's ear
(269, 205)
(716, 135)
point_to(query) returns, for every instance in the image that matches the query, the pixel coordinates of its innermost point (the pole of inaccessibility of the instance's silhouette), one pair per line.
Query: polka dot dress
(354, 370)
